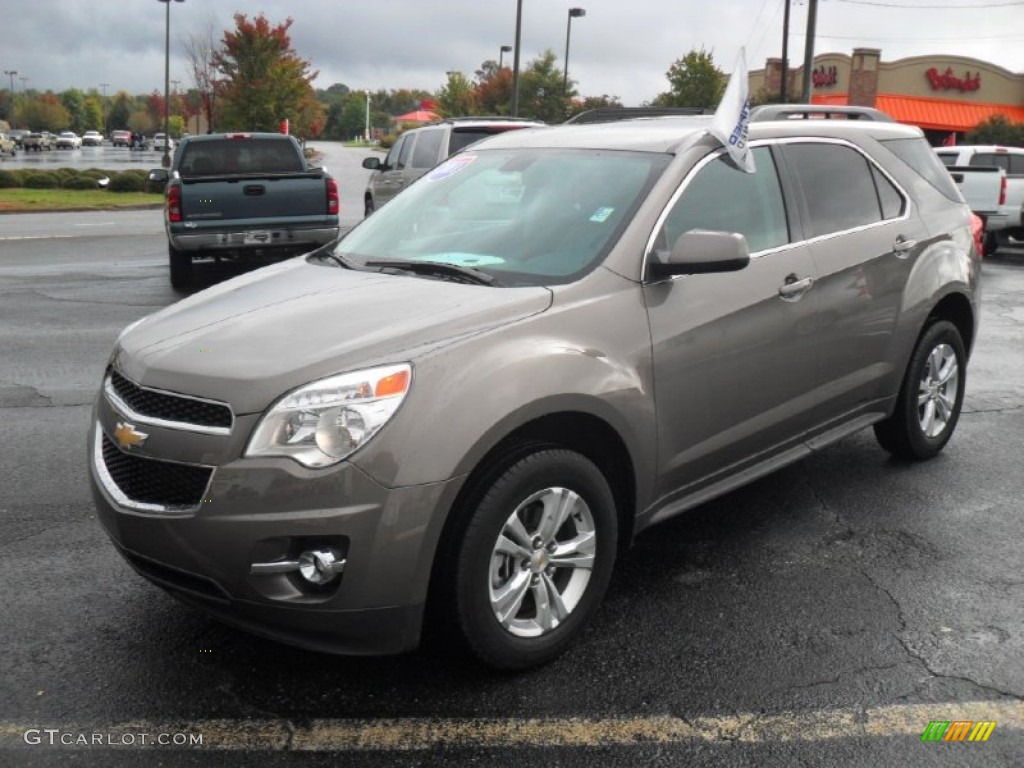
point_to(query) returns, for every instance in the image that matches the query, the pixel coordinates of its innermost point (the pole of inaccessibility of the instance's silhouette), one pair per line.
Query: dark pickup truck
(244, 196)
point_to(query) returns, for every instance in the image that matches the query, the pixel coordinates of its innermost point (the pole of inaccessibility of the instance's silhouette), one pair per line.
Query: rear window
(239, 156)
(922, 159)
(463, 137)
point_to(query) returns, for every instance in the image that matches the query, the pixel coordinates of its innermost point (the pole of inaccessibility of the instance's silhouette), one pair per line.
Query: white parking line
(36, 237)
(408, 734)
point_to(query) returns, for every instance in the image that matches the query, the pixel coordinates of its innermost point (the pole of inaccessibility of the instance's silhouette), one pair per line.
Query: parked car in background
(38, 141)
(121, 138)
(159, 143)
(992, 180)
(92, 139)
(417, 151)
(69, 140)
(7, 145)
(471, 403)
(17, 134)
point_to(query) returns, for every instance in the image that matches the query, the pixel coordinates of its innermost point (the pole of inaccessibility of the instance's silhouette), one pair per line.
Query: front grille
(170, 407)
(151, 481)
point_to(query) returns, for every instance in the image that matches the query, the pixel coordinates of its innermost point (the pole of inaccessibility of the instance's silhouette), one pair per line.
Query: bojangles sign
(824, 76)
(947, 81)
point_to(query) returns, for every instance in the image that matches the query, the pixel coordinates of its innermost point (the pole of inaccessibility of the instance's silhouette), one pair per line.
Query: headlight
(321, 423)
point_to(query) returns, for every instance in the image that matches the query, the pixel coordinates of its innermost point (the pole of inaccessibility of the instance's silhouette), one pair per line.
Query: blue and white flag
(732, 118)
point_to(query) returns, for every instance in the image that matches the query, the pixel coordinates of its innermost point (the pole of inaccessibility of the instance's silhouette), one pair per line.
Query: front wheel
(368, 207)
(535, 559)
(931, 397)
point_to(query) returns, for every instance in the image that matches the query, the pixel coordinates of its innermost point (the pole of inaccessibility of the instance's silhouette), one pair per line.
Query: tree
(694, 81)
(199, 47)
(494, 89)
(604, 101)
(266, 81)
(74, 102)
(44, 112)
(93, 112)
(541, 95)
(456, 97)
(121, 107)
(997, 130)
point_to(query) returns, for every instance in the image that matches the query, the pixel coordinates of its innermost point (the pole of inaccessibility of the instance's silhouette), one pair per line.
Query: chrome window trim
(129, 413)
(119, 497)
(714, 155)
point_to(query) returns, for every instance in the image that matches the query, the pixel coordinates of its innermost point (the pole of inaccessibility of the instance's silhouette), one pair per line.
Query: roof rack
(477, 118)
(769, 112)
(610, 114)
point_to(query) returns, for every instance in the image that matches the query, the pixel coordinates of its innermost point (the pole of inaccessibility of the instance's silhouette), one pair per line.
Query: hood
(251, 339)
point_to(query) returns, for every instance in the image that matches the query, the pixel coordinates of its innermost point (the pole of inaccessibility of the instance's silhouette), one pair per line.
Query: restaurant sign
(947, 81)
(824, 76)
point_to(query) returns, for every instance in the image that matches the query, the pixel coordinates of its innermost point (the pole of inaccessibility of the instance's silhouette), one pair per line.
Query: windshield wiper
(328, 253)
(438, 268)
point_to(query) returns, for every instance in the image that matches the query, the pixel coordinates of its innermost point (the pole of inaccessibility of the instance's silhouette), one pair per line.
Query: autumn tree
(265, 81)
(694, 81)
(494, 89)
(44, 112)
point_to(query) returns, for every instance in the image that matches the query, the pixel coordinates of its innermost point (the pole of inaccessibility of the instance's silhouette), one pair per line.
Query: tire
(368, 207)
(990, 244)
(180, 263)
(516, 607)
(929, 403)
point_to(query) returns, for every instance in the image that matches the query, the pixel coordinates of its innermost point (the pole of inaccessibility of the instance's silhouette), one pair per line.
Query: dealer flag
(732, 118)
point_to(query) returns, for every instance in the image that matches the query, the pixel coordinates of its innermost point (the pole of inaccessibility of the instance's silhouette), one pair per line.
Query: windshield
(524, 216)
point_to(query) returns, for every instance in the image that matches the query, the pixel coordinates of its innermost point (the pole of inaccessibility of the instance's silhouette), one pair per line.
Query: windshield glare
(527, 217)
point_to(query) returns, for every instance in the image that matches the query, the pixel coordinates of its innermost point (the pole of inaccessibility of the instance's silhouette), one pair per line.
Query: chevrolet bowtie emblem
(128, 436)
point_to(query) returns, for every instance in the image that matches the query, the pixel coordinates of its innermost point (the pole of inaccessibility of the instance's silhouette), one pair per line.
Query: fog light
(317, 566)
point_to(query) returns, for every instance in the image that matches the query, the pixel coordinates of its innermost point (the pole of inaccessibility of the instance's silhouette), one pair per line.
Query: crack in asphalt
(920, 658)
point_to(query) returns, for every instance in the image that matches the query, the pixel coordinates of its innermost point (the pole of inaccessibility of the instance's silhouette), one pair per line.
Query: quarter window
(838, 187)
(428, 145)
(725, 199)
(888, 195)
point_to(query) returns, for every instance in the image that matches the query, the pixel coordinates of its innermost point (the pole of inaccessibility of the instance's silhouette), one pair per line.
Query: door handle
(903, 244)
(794, 286)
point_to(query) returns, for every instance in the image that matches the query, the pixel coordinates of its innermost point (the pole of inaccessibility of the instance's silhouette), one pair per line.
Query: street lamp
(515, 59)
(501, 54)
(366, 135)
(166, 161)
(12, 73)
(104, 87)
(574, 13)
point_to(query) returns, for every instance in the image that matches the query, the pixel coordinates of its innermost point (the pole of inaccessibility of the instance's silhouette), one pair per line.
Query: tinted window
(948, 158)
(921, 158)
(991, 158)
(406, 150)
(725, 199)
(888, 195)
(391, 161)
(229, 156)
(838, 187)
(1017, 164)
(428, 145)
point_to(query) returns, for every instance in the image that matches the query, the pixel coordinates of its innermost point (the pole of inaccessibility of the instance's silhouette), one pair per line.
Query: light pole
(515, 59)
(366, 134)
(501, 55)
(574, 13)
(166, 161)
(104, 105)
(12, 73)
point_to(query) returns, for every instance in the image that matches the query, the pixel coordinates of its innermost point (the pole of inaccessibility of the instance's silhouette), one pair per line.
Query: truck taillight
(174, 203)
(332, 196)
(1002, 192)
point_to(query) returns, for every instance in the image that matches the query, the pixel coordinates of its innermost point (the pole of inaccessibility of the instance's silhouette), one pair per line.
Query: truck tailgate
(275, 197)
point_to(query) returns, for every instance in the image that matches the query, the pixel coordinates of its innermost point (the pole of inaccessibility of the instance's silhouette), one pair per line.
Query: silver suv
(471, 403)
(420, 149)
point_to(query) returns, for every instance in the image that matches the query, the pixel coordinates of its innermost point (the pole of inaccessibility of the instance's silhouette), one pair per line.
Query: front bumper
(267, 510)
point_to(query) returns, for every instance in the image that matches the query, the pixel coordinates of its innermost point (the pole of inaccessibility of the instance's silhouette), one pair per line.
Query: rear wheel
(180, 263)
(930, 399)
(535, 559)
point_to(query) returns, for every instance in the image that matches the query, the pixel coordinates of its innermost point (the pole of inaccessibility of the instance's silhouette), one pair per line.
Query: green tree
(541, 95)
(44, 112)
(93, 112)
(74, 102)
(604, 101)
(997, 130)
(122, 105)
(346, 118)
(694, 81)
(457, 96)
(266, 81)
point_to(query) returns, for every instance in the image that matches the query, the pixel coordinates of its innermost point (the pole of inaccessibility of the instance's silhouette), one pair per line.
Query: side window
(405, 151)
(888, 195)
(391, 161)
(1017, 165)
(428, 145)
(991, 158)
(722, 198)
(838, 187)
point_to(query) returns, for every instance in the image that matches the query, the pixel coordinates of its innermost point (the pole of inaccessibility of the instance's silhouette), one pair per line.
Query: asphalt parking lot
(824, 615)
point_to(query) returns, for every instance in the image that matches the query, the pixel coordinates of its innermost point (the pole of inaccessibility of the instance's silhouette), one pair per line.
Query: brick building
(940, 94)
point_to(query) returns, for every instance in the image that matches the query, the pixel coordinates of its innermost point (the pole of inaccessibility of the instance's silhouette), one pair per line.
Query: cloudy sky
(619, 48)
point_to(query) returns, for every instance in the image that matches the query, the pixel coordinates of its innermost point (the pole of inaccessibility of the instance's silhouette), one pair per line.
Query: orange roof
(934, 114)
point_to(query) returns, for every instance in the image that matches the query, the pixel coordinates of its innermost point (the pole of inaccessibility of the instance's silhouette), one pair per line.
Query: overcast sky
(621, 47)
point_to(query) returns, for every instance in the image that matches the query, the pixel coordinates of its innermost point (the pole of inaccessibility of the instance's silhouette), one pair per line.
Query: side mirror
(701, 251)
(158, 174)
(372, 163)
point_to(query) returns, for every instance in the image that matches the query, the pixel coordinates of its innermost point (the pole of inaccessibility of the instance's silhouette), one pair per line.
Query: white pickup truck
(991, 179)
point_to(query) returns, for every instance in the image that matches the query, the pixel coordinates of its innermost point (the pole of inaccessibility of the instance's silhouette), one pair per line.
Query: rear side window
(724, 199)
(921, 158)
(428, 145)
(888, 195)
(838, 186)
